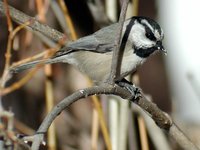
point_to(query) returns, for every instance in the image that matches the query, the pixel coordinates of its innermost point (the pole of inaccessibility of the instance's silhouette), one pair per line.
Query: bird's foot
(129, 86)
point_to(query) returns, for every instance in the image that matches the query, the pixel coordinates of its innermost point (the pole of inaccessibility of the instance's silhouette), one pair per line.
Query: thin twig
(36, 26)
(28, 76)
(19, 83)
(97, 10)
(6, 76)
(40, 10)
(9, 45)
(45, 52)
(19, 28)
(94, 130)
(118, 52)
(102, 121)
(59, 16)
(9, 22)
(160, 141)
(135, 5)
(68, 20)
(8, 136)
(177, 134)
(23, 128)
(49, 94)
(143, 133)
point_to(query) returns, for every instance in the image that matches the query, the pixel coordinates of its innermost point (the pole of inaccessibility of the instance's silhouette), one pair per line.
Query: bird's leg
(135, 91)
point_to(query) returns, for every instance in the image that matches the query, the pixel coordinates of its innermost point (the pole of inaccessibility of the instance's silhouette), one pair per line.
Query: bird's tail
(30, 65)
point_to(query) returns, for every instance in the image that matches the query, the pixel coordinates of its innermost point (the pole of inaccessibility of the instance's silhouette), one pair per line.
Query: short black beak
(161, 48)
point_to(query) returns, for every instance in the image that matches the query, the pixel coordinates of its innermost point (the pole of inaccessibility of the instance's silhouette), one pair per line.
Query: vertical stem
(116, 60)
(143, 134)
(95, 130)
(49, 106)
(68, 19)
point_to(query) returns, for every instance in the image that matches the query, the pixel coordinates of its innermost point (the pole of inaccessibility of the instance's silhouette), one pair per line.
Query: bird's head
(144, 35)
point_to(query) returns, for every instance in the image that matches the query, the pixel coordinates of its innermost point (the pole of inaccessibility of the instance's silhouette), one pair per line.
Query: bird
(92, 54)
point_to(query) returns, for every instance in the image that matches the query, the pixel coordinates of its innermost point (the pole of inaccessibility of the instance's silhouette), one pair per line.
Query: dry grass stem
(68, 20)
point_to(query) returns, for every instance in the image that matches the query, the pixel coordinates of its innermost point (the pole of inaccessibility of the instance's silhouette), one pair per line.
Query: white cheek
(140, 40)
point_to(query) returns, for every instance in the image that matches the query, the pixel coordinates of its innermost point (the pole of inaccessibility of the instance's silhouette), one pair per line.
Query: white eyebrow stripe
(147, 23)
(157, 34)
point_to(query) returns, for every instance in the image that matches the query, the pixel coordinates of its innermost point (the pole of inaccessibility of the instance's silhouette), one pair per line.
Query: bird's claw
(135, 91)
(138, 93)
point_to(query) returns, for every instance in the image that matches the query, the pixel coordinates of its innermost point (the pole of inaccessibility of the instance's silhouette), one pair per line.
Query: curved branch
(116, 90)
(105, 89)
(161, 118)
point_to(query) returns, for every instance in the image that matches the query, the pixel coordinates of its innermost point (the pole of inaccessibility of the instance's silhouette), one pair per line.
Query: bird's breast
(130, 63)
(98, 65)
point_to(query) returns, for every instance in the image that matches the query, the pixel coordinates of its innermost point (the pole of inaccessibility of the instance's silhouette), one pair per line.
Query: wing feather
(101, 41)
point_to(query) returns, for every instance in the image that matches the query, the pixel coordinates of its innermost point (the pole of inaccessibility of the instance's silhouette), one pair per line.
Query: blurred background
(171, 81)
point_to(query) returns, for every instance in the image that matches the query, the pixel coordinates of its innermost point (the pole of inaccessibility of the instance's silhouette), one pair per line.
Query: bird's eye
(150, 36)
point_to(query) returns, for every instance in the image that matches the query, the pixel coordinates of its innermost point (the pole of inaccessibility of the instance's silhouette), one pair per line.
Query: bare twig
(48, 53)
(159, 141)
(135, 6)
(102, 121)
(94, 130)
(5, 75)
(49, 94)
(36, 26)
(9, 22)
(69, 100)
(41, 11)
(68, 20)
(59, 16)
(143, 133)
(98, 12)
(177, 134)
(18, 84)
(7, 133)
(118, 52)
(23, 128)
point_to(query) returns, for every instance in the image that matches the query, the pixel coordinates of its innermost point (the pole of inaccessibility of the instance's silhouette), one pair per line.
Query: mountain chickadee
(92, 54)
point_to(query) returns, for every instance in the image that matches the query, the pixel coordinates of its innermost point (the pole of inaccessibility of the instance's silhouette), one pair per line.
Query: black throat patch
(144, 52)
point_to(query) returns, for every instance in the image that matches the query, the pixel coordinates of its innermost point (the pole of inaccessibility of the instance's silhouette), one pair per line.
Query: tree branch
(161, 118)
(118, 52)
(35, 25)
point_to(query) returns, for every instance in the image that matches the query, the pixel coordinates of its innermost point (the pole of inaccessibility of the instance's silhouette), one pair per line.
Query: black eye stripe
(149, 34)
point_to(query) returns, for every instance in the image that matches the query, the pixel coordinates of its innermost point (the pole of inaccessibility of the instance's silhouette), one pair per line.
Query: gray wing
(101, 41)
